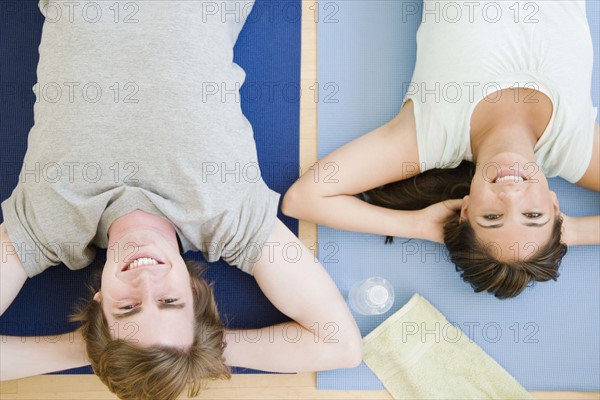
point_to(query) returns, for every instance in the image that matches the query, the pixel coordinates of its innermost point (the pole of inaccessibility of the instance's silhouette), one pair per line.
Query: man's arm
(578, 231)
(12, 274)
(27, 356)
(324, 334)
(35, 355)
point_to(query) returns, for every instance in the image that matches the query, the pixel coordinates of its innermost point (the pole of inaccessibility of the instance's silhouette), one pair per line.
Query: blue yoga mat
(548, 337)
(268, 49)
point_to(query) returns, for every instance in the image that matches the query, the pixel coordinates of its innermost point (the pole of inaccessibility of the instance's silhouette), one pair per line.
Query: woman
(512, 95)
(137, 157)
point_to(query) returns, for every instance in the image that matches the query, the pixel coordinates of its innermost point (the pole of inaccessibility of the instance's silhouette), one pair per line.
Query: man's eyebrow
(128, 313)
(161, 306)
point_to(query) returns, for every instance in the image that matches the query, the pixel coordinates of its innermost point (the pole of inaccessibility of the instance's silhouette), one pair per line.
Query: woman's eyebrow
(490, 226)
(536, 224)
(533, 224)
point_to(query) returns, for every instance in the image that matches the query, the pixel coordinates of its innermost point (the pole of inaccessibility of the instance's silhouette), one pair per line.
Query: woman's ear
(463, 209)
(98, 297)
(555, 203)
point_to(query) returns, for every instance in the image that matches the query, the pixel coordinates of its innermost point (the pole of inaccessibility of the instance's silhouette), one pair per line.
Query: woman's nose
(510, 193)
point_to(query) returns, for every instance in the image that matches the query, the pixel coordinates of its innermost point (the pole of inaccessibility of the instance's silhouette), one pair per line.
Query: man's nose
(143, 280)
(145, 275)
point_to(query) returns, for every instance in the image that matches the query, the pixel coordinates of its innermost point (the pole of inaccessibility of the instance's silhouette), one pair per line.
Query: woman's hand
(578, 231)
(433, 218)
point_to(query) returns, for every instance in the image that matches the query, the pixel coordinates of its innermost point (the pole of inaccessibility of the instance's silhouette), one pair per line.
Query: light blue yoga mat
(548, 337)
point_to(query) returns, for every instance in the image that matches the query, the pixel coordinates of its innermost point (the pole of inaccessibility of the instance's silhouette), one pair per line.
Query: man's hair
(476, 263)
(157, 372)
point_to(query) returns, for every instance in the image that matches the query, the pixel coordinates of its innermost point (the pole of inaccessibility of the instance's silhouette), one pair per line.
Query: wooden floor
(296, 386)
(300, 386)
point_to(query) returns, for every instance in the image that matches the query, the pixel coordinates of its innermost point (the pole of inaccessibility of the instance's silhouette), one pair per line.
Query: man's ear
(463, 209)
(98, 297)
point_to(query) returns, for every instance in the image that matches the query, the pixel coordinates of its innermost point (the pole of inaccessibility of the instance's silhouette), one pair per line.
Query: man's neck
(139, 220)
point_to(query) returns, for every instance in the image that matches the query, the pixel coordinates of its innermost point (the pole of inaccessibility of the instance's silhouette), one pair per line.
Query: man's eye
(533, 215)
(492, 216)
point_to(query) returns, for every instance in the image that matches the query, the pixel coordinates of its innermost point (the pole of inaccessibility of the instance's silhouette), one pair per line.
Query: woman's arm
(325, 193)
(578, 231)
(324, 335)
(35, 355)
(591, 178)
(586, 230)
(12, 274)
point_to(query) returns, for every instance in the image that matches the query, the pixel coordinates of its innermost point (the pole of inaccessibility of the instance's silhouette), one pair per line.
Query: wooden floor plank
(8, 387)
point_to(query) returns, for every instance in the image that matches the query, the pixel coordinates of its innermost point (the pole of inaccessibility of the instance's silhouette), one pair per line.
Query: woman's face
(147, 304)
(511, 208)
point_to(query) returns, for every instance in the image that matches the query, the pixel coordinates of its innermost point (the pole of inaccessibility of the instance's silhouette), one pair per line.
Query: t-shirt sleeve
(33, 249)
(569, 151)
(239, 236)
(583, 150)
(235, 12)
(441, 143)
(48, 230)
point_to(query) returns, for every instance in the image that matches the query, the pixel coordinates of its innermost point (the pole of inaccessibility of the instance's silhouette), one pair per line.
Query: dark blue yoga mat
(548, 337)
(268, 49)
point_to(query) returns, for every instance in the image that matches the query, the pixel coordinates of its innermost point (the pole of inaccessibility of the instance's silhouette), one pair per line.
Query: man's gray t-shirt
(138, 107)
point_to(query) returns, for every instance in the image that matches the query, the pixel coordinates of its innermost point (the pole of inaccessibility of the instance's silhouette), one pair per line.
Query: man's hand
(35, 355)
(12, 273)
(323, 335)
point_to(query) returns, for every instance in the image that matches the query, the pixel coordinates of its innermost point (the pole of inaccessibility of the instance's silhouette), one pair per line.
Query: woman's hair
(157, 372)
(474, 260)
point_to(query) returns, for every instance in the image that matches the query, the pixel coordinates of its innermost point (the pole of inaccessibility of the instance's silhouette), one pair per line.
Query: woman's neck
(503, 139)
(509, 126)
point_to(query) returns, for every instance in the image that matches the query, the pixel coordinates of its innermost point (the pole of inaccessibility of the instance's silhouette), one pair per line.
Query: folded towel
(418, 354)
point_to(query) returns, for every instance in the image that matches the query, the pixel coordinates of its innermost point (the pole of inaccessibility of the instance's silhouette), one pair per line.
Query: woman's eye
(491, 216)
(169, 301)
(532, 215)
(127, 307)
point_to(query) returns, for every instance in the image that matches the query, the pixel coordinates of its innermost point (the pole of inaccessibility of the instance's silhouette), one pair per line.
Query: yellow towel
(418, 354)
